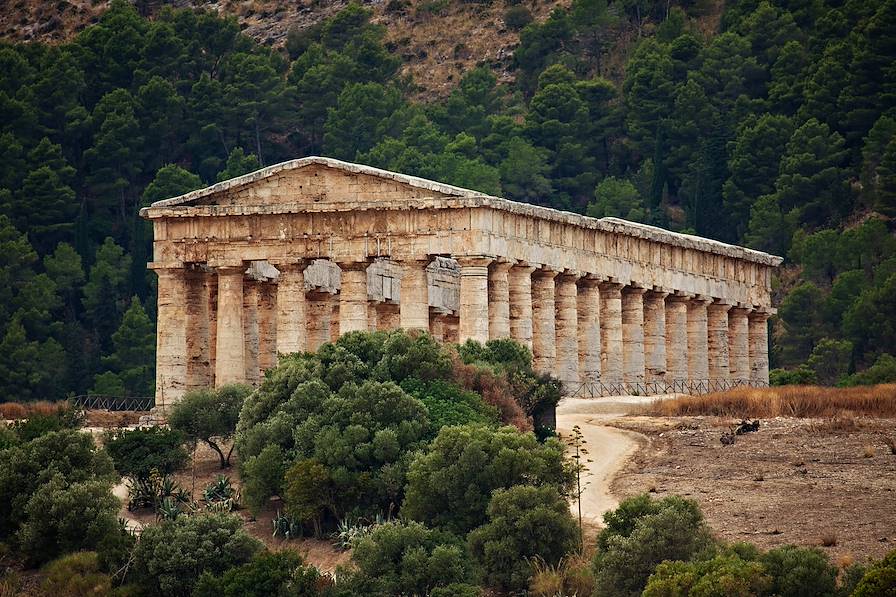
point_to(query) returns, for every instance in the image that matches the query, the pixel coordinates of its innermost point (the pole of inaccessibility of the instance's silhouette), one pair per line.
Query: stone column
(250, 329)
(544, 337)
(292, 307)
(267, 326)
(171, 339)
(499, 300)
(388, 316)
(320, 315)
(211, 281)
(519, 282)
(698, 341)
(758, 323)
(437, 326)
(230, 362)
(473, 310)
(588, 313)
(739, 345)
(655, 336)
(567, 332)
(611, 333)
(633, 335)
(353, 297)
(414, 305)
(198, 354)
(717, 329)
(677, 341)
(372, 319)
(334, 318)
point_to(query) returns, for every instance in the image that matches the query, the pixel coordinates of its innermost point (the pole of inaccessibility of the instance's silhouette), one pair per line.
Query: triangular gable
(316, 180)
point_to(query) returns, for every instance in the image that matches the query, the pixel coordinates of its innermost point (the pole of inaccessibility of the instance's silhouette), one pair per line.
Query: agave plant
(168, 509)
(220, 489)
(286, 527)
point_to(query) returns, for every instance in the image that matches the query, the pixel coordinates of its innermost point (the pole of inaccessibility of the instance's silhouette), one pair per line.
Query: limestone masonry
(293, 255)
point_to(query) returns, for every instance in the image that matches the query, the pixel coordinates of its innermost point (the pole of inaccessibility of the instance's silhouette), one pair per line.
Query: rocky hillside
(438, 40)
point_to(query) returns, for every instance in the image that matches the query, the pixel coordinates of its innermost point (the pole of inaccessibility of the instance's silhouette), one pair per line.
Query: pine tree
(238, 163)
(133, 358)
(107, 290)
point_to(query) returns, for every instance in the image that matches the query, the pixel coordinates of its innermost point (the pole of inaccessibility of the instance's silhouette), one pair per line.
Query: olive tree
(210, 416)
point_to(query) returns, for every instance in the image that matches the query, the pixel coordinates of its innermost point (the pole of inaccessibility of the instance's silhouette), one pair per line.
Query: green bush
(40, 423)
(449, 404)
(517, 17)
(210, 416)
(801, 376)
(171, 556)
(309, 493)
(137, 452)
(879, 580)
(524, 523)
(722, 576)
(263, 477)
(639, 535)
(71, 455)
(882, 371)
(278, 573)
(800, 572)
(409, 559)
(60, 518)
(76, 575)
(451, 483)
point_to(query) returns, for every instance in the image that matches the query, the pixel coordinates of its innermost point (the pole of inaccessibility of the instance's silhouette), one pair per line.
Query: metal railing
(101, 402)
(600, 389)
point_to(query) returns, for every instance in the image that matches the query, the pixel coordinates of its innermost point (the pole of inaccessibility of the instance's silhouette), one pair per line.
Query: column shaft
(739, 345)
(519, 283)
(353, 298)
(499, 301)
(267, 326)
(171, 339)
(611, 333)
(320, 314)
(251, 329)
(717, 328)
(567, 332)
(655, 336)
(677, 341)
(759, 349)
(388, 316)
(698, 347)
(633, 335)
(588, 313)
(292, 308)
(198, 353)
(544, 338)
(474, 294)
(414, 298)
(230, 363)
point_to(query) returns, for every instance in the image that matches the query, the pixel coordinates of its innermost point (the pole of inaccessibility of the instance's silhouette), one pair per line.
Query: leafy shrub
(75, 575)
(800, 571)
(524, 523)
(262, 477)
(137, 452)
(572, 575)
(70, 455)
(801, 376)
(280, 573)
(409, 559)
(8, 437)
(639, 535)
(172, 555)
(59, 417)
(309, 492)
(517, 17)
(451, 483)
(449, 404)
(722, 576)
(210, 416)
(60, 518)
(879, 580)
(882, 371)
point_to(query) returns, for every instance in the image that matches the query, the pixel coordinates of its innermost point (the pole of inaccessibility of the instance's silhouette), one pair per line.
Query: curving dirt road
(608, 449)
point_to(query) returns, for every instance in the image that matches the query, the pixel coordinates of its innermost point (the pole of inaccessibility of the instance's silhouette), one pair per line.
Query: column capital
(657, 293)
(230, 269)
(720, 305)
(299, 263)
(634, 290)
(701, 299)
(524, 267)
(610, 286)
(589, 280)
(473, 261)
(569, 275)
(501, 265)
(353, 264)
(545, 271)
(166, 266)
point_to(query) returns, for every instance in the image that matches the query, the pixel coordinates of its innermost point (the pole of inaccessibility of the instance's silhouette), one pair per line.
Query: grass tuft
(785, 401)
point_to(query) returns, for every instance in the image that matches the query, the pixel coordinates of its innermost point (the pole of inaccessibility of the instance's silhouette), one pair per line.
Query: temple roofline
(457, 197)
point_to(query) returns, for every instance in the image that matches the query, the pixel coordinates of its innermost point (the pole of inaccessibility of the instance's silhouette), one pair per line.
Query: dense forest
(778, 131)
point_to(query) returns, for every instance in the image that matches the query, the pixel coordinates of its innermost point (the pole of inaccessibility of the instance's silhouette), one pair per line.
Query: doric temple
(293, 255)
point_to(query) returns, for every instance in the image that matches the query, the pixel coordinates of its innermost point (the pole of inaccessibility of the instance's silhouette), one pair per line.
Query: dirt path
(609, 449)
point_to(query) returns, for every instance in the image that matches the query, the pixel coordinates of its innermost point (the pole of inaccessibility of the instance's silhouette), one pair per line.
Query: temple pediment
(314, 181)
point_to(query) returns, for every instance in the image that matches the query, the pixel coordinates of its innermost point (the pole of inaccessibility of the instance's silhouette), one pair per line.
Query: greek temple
(294, 255)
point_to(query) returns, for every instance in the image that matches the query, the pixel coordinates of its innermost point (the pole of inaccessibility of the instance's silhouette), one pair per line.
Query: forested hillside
(777, 131)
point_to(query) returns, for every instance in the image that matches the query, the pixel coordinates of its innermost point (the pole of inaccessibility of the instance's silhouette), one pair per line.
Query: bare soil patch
(814, 482)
